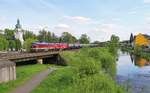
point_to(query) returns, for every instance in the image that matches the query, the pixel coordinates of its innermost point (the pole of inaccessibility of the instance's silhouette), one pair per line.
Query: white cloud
(147, 1)
(79, 19)
(104, 31)
(110, 27)
(62, 26)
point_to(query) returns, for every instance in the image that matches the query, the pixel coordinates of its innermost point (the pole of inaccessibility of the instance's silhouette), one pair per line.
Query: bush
(88, 71)
(138, 51)
(97, 83)
(27, 44)
(104, 58)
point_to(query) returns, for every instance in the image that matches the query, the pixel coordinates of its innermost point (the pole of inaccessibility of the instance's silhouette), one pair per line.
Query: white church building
(19, 32)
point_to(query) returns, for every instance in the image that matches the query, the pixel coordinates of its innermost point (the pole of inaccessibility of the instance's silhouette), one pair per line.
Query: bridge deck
(26, 56)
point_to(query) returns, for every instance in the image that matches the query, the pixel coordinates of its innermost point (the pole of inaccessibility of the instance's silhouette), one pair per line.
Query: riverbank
(88, 71)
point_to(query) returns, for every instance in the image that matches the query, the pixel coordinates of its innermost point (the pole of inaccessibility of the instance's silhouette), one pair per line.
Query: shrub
(88, 71)
(105, 60)
(138, 51)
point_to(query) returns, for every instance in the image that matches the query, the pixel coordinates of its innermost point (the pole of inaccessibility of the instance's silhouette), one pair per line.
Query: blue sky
(97, 18)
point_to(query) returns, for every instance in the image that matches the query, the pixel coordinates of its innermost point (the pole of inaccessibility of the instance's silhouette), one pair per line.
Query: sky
(99, 19)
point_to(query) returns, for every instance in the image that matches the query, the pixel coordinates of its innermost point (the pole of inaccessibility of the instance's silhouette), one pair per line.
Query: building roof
(146, 36)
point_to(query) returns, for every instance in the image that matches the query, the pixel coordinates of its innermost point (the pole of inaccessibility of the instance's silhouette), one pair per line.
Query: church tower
(19, 32)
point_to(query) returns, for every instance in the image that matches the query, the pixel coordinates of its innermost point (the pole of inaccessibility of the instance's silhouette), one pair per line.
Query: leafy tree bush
(95, 70)
(97, 83)
(103, 57)
(84, 39)
(67, 38)
(29, 34)
(27, 44)
(18, 45)
(3, 43)
(113, 45)
(138, 51)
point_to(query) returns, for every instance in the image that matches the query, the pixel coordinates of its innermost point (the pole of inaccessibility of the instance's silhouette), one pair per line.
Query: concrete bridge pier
(7, 71)
(40, 61)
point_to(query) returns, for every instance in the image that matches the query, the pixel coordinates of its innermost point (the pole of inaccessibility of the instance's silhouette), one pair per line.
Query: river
(133, 73)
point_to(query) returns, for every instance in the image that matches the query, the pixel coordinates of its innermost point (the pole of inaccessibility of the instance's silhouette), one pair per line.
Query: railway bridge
(9, 60)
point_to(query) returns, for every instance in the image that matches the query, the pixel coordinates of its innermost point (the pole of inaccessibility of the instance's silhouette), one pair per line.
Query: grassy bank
(23, 73)
(88, 71)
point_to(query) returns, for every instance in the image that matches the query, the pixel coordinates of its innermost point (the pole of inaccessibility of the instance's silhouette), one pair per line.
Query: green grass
(88, 71)
(64, 80)
(23, 73)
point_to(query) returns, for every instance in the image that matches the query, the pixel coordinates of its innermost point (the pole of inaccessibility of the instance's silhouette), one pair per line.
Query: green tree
(29, 34)
(55, 38)
(27, 43)
(43, 36)
(12, 44)
(9, 34)
(131, 38)
(84, 39)
(67, 38)
(3, 43)
(113, 44)
(46, 36)
(18, 45)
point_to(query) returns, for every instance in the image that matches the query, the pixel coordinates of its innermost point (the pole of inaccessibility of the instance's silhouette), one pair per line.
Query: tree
(12, 44)
(9, 34)
(67, 38)
(131, 38)
(3, 43)
(113, 44)
(55, 38)
(45, 36)
(29, 34)
(27, 43)
(84, 39)
(96, 42)
(17, 44)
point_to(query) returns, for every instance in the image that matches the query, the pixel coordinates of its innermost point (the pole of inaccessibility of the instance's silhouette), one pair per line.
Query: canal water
(133, 73)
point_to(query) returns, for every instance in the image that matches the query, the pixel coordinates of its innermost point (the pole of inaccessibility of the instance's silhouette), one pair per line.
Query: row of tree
(8, 41)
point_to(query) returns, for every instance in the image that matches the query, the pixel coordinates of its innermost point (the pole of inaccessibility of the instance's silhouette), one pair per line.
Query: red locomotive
(42, 46)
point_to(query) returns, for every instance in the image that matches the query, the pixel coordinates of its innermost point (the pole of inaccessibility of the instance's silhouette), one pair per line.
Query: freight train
(43, 46)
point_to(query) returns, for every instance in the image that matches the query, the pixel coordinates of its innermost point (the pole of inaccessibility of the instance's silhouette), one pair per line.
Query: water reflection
(139, 62)
(134, 69)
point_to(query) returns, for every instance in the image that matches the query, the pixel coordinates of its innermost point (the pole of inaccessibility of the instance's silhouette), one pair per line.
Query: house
(142, 40)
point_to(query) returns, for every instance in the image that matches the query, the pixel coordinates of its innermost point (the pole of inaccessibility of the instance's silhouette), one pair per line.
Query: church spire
(18, 25)
(19, 32)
